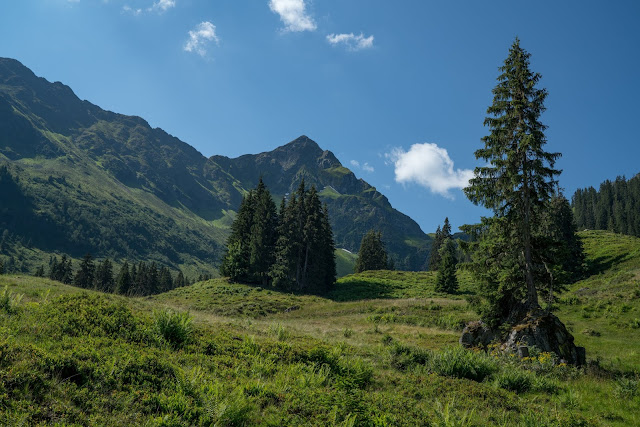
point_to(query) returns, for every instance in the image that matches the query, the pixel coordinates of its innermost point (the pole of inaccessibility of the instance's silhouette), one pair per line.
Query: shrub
(9, 301)
(514, 380)
(458, 362)
(404, 357)
(174, 327)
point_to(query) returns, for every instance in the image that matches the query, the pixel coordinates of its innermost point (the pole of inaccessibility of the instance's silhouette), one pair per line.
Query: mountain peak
(302, 142)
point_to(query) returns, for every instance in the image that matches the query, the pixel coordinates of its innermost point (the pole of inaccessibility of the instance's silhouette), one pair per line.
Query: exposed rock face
(547, 333)
(477, 335)
(542, 330)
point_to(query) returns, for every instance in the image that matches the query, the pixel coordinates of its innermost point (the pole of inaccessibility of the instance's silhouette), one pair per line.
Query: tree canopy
(292, 249)
(372, 254)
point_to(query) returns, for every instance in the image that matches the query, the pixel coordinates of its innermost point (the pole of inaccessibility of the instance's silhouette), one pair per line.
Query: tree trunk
(532, 293)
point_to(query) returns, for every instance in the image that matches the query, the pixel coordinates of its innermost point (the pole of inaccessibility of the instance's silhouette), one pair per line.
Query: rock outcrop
(540, 329)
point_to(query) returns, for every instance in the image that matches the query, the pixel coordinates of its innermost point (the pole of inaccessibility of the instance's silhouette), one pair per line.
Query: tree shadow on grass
(356, 290)
(601, 264)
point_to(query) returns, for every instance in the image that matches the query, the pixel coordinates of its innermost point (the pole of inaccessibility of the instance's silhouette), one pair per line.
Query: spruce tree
(124, 281)
(104, 276)
(282, 272)
(328, 251)
(84, 278)
(235, 262)
(434, 253)
(516, 184)
(180, 281)
(446, 280)
(53, 268)
(262, 240)
(372, 254)
(165, 281)
(304, 255)
(40, 271)
(441, 235)
(1, 267)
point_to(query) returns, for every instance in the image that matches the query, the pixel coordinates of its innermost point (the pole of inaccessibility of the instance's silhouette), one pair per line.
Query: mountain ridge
(111, 184)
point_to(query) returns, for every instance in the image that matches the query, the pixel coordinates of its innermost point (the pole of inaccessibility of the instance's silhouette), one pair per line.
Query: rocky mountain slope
(76, 178)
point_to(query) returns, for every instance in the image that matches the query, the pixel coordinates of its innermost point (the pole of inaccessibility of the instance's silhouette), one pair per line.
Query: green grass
(345, 262)
(381, 349)
(602, 311)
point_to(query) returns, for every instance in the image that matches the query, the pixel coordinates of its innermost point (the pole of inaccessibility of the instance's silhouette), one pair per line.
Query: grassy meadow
(379, 350)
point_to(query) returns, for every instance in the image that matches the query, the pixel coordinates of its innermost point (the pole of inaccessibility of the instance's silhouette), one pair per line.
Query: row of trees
(137, 279)
(614, 207)
(290, 249)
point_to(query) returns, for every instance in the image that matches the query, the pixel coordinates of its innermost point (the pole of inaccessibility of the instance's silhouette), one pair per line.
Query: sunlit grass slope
(603, 310)
(379, 350)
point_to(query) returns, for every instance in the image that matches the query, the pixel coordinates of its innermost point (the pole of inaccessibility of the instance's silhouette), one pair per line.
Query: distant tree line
(614, 207)
(132, 279)
(290, 249)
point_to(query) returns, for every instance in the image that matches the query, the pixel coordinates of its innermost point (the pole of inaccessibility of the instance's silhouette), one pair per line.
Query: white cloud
(163, 5)
(292, 14)
(366, 167)
(129, 9)
(200, 37)
(429, 166)
(351, 41)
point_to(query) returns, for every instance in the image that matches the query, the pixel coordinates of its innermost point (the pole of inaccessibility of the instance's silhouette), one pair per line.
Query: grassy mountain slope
(379, 350)
(75, 178)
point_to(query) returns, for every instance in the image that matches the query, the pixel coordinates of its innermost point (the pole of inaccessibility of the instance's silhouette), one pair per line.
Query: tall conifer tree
(516, 184)
(124, 280)
(85, 276)
(372, 254)
(262, 240)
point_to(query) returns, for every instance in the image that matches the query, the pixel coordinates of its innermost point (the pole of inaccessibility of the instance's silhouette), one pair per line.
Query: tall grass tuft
(174, 327)
(9, 301)
(458, 362)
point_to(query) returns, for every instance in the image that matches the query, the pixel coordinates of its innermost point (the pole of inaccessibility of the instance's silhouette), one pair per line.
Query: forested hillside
(615, 206)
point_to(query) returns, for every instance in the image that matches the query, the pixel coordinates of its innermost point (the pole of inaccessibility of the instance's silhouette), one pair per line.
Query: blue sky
(398, 90)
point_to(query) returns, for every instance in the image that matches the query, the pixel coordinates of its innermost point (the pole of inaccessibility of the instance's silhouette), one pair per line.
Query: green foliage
(517, 184)
(441, 235)
(612, 207)
(9, 301)
(447, 280)
(372, 254)
(174, 327)
(79, 357)
(85, 277)
(458, 362)
(305, 249)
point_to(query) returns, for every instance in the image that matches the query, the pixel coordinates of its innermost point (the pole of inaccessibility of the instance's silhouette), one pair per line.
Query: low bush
(174, 327)
(514, 380)
(458, 362)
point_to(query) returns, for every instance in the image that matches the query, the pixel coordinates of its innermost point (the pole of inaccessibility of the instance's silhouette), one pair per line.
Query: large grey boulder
(546, 332)
(540, 329)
